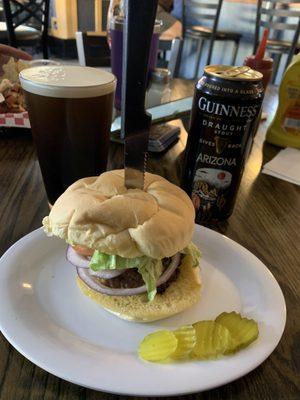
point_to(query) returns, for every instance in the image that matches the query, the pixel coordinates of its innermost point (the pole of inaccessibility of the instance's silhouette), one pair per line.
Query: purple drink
(116, 33)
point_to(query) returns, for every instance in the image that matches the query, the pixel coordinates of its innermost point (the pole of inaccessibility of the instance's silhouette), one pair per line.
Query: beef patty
(132, 278)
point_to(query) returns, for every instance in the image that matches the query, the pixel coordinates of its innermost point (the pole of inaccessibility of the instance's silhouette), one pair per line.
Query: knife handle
(137, 37)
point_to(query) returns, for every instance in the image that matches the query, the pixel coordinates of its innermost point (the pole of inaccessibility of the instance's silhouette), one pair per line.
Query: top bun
(102, 214)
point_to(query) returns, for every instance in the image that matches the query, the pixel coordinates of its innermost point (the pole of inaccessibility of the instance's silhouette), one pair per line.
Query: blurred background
(193, 33)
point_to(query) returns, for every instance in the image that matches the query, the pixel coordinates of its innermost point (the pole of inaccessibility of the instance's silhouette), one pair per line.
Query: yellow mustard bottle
(284, 130)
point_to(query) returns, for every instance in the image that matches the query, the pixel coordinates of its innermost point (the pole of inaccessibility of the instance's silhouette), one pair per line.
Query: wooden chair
(206, 10)
(33, 12)
(279, 16)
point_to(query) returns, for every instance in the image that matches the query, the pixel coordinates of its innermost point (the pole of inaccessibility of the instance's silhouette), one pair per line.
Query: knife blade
(135, 121)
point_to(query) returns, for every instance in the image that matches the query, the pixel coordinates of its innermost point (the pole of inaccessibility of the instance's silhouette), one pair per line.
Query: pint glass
(70, 111)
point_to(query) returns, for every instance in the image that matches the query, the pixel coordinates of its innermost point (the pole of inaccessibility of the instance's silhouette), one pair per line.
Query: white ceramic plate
(45, 317)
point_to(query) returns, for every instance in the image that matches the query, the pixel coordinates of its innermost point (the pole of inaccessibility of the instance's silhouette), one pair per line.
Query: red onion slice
(169, 271)
(107, 273)
(92, 283)
(76, 259)
(83, 262)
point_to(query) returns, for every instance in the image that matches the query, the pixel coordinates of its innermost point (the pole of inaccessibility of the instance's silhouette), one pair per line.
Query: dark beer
(70, 113)
(226, 110)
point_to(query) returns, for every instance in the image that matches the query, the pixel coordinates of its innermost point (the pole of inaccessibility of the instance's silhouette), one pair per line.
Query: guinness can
(225, 114)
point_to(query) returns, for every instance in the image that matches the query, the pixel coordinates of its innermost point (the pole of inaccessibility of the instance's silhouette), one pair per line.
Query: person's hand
(7, 51)
(175, 31)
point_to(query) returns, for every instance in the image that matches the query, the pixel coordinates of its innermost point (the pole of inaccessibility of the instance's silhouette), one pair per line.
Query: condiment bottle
(259, 62)
(284, 130)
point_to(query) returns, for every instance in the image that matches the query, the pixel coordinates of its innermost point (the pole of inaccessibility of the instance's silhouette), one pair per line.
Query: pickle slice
(213, 340)
(158, 346)
(186, 337)
(243, 330)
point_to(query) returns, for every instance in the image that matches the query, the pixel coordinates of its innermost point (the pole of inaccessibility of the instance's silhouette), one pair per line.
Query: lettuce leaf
(150, 272)
(108, 261)
(193, 251)
(149, 268)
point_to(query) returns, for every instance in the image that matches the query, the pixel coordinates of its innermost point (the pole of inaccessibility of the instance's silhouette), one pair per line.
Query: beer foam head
(67, 81)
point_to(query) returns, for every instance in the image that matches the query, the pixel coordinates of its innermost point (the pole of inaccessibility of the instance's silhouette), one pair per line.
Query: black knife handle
(137, 37)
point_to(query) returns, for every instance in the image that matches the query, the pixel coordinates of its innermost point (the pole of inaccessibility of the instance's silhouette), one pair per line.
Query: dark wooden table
(266, 220)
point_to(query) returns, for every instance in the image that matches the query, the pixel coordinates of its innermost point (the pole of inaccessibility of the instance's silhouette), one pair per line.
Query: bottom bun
(180, 295)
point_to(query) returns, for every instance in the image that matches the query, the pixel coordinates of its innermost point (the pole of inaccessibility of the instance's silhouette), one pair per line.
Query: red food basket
(15, 120)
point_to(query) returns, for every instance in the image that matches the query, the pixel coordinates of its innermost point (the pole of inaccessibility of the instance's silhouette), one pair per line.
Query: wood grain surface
(266, 221)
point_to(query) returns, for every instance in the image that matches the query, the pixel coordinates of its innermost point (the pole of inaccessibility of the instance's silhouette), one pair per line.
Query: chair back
(279, 16)
(34, 13)
(174, 47)
(93, 51)
(206, 11)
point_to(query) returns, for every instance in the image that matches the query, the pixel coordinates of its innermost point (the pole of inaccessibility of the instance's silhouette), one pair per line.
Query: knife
(135, 122)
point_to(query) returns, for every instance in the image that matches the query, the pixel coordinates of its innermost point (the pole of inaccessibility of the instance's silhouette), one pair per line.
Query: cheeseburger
(131, 248)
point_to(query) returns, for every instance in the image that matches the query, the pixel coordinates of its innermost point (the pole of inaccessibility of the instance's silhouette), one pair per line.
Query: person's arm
(167, 5)
(6, 52)
(175, 31)
(12, 52)
(172, 28)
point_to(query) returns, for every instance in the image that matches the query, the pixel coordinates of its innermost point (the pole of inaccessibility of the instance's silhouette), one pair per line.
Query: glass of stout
(70, 112)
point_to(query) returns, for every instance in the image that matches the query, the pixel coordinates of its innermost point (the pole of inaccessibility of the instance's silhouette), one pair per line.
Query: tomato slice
(82, 250)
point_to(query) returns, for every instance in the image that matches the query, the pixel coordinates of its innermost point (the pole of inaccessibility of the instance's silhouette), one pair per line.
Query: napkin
(286, 166)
